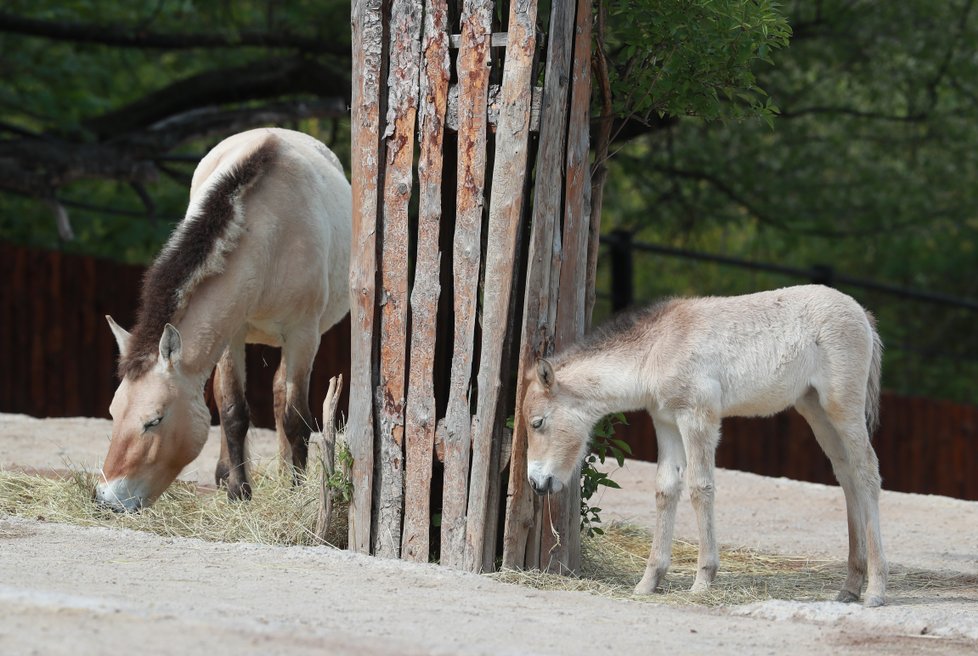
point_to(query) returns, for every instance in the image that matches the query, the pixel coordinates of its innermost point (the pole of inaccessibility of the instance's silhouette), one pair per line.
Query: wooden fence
(58, 357)
(479, 166)
(924, 445)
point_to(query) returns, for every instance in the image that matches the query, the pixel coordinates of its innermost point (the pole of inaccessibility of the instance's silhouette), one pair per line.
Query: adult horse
(262, 256)
(690, 362)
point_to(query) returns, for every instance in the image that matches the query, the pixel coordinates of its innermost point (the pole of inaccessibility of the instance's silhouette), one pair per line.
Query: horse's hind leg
(701, 433)
(857, 471)
(293, 419)
(229, 395)
(668, 487)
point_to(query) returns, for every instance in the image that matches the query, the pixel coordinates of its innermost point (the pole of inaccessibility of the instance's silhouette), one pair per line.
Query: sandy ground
(66, 589)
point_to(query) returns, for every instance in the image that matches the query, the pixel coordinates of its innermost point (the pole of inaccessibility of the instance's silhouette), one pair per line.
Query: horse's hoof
(873, 601)
(221, 474)
(699, 587)
(240, 492)
(847, 597)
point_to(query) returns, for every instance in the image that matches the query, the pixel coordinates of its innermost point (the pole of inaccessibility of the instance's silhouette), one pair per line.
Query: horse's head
(159, 425)
(558, 430)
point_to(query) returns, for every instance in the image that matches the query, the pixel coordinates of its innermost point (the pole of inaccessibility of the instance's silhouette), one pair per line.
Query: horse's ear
(122, 336)
(170, 345)
(545, 372)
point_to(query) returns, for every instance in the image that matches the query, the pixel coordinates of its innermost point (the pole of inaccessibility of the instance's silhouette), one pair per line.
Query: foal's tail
(873, 384)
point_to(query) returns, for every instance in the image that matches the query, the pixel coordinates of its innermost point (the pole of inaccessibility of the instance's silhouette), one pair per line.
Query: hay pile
(613, 563)
(279, 513)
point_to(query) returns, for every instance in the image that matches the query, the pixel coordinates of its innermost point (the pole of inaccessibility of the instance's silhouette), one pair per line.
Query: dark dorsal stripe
(189, 248)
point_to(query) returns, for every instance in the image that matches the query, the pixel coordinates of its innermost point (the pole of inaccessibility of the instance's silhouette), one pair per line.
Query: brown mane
(169, 283)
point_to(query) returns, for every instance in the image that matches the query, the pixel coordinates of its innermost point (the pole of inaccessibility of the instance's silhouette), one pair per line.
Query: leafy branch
(603, 444)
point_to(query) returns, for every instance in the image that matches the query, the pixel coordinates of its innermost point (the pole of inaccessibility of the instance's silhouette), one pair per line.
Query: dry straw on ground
(613, 563)
(279, 513)
(283, 514)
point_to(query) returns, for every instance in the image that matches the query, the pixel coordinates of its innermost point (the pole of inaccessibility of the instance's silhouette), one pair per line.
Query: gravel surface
(72, 590)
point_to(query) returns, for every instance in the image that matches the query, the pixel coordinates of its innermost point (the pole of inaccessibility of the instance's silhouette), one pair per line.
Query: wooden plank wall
(58, 357)
(924, 445)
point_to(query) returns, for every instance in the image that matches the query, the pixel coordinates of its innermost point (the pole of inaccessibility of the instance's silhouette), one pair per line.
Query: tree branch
(37, 167)
(131, 36)
(261, 79)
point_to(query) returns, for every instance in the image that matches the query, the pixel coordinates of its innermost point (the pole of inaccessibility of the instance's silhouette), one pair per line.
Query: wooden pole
(565, 555)
(473, 75)
(539, 309)
(328, 454)
(505, 211)
(548, 199)
(421, 421)
(367, 47)
(402, 104)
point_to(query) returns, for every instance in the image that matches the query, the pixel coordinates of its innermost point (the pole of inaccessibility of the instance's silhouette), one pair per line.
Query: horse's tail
(873, 384)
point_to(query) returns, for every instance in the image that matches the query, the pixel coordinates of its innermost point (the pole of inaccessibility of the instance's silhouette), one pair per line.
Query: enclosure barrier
(496, 284)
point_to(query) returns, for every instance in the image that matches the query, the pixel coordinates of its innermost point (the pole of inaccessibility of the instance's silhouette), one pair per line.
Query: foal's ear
(170, 345)
(545, 372)
(121, 336)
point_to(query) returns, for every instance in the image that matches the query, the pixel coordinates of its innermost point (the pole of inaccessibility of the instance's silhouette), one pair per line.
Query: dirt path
(66, 589)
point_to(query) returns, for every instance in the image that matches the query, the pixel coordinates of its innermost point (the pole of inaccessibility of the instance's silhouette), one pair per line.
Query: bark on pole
(505, 210)
(565, 515)
(367, 47)
(539, 310)
(420, 412)
(473, 74)
(402, 104)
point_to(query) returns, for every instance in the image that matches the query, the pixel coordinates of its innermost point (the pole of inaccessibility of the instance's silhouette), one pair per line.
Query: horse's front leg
(668, 487)
(229, 395)
(701, 433)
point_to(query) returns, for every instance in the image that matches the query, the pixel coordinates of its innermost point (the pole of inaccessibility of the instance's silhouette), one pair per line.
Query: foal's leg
(293, 419)
(229, 395)
(700, 430)
(668, 487)
(866, 483)
(831, 443)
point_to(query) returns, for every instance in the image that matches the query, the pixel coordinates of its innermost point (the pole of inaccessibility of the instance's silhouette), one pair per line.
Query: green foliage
(603, 444)
(58, 88)
(341, 480)
(869, 169)
(692, 57)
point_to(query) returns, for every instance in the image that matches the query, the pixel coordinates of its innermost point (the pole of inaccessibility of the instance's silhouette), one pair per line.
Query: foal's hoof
(699, 587)
(847, 597)
(873, 601)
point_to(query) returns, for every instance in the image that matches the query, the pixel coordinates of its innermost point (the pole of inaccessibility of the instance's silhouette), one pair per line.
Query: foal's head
(159, 425)
(558, 429)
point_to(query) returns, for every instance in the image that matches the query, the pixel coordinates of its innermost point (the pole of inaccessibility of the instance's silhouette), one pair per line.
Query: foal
(692, 362)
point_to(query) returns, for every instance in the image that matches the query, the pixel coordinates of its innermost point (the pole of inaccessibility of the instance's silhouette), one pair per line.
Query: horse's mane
(196, 250)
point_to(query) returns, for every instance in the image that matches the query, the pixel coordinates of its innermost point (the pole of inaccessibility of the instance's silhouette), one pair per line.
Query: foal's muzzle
(543, 485)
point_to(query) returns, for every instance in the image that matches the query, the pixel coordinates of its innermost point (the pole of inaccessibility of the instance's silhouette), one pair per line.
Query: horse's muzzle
(106, 497)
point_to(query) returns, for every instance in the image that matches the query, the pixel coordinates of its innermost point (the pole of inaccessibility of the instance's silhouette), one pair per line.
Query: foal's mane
(196, 250)
(621, 330)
